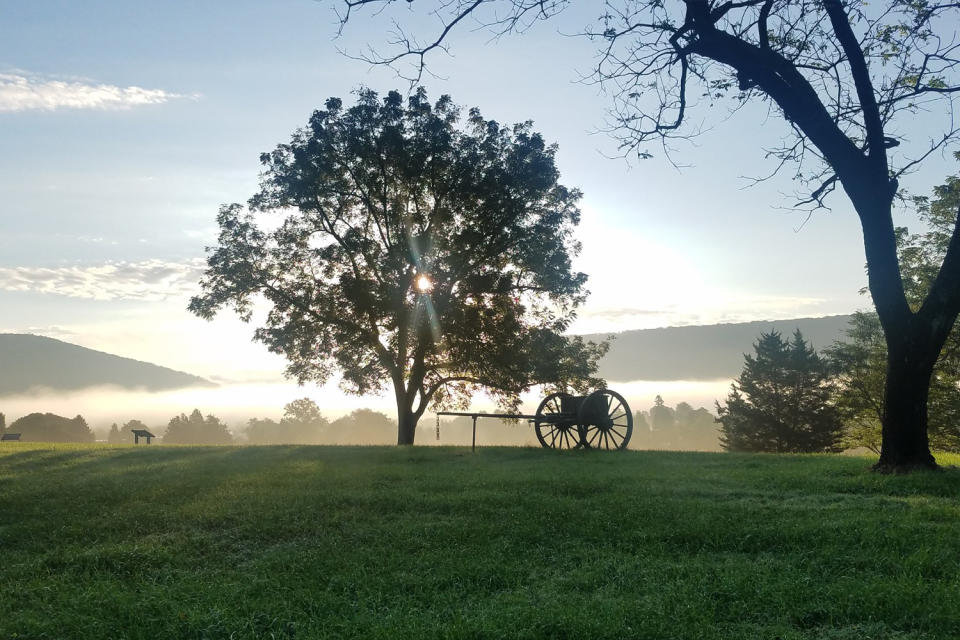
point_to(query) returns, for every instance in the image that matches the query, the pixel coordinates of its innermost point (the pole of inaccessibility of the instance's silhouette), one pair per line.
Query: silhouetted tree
(683, 414)
(661, 416)
(683, 429)
(860, 359)
(114, 436)
(3, 424)
(303, 411)
(302, 423)
(781, 401)
(422, 253)
(362, 426)
(843, 75)
(263, 431)
(640, 423)
(49, 427)
(196, 429)
(859, 362)
(126, 431)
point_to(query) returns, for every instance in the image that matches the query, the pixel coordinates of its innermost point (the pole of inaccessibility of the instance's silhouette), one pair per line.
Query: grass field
(313, 542)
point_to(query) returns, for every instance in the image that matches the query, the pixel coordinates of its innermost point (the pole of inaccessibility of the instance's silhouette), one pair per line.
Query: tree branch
(876, 149)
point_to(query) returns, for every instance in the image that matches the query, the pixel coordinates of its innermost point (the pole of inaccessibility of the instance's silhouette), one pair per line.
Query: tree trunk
(912, 348)
(406, 425)
(910, 361)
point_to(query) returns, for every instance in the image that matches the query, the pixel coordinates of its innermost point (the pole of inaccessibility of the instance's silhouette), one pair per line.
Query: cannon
(601, 420)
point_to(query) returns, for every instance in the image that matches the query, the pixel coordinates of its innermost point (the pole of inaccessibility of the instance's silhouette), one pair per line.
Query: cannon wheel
(553, 435)
(614, 422)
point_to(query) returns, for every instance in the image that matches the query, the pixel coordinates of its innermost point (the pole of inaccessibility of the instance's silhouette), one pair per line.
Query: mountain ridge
(690, 353)
(702, 352)
(29, 361)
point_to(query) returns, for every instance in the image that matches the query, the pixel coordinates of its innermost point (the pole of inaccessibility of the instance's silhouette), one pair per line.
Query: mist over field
(692, 365)
(237, 404)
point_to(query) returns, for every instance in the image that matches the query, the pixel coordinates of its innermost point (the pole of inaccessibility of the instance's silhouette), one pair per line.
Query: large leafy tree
(781, 401)
(848, 77)
(860, 358)
(409, 248)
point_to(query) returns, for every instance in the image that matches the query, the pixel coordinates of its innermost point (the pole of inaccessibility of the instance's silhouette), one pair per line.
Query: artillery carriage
(601, 420)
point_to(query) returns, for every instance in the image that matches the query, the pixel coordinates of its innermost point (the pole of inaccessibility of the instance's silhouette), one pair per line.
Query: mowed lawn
(314, 542)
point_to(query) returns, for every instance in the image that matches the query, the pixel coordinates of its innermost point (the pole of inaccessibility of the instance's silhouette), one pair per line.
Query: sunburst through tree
(415, 249)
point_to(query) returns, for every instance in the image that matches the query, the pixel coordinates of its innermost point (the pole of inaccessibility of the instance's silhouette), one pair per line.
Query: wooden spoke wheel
(605, 420)
(555, 429)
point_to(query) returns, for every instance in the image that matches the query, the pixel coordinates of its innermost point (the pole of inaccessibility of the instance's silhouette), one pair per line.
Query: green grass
(311, 542)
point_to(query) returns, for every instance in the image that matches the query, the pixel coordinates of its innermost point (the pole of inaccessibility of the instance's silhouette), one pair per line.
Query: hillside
(28, 361)
(708, 352)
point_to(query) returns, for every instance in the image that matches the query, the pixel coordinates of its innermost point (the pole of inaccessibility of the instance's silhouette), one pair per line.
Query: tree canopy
(124, 434)
(302, 423)
(362, 426)
(49, 427)
(397, 244)
(196, 429)
(781, 401)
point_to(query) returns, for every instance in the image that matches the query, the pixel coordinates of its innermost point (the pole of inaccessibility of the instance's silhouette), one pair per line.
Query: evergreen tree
(114, 435)
(781, 401)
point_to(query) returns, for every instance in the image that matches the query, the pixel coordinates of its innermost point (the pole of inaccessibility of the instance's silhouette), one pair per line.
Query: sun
(424, 283)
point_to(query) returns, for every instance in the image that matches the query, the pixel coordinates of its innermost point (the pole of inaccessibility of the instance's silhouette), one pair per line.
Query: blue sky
(125, 125)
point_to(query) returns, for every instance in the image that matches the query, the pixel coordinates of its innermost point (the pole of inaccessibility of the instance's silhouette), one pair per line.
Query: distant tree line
(680, 427)
(302, 423)
(49, 427)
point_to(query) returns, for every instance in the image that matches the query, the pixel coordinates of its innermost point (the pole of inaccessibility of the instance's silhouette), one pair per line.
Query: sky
(125, 125)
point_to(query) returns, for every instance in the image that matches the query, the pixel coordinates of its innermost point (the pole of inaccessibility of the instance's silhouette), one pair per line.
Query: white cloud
(31, 93)
(149, 280)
